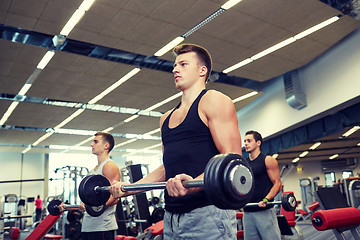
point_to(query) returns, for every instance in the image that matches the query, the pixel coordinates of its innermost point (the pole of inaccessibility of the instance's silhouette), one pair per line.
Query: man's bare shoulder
(214, 96)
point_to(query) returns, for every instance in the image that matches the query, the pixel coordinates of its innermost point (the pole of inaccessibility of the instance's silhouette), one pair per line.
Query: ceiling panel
(143, 27)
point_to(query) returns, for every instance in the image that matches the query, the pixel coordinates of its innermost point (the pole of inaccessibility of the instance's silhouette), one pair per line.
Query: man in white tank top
(102, 227)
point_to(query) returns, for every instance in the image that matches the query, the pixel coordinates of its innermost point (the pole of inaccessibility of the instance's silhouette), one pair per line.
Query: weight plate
(288, 202)
(74, 215)
(214, 183)
(238, 181)
(87, 191)
(53, 207)
(95, 211)
(157, 215)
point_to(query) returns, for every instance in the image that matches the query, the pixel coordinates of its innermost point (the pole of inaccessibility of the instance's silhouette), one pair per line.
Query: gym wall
(327, 81)
(15, 167)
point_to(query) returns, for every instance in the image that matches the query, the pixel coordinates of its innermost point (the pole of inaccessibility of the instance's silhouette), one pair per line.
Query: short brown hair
(201, 52)
(107, 138)
(257, 136)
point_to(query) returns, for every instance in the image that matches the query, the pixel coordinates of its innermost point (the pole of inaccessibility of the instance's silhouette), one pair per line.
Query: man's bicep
(273, 169)
(224, 129)
(111, 172)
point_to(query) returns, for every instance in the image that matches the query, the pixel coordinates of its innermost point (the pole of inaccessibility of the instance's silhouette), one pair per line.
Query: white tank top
(107, 220)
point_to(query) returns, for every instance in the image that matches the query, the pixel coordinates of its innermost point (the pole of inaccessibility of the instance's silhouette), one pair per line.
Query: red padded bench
(43, 227)
(51, 236)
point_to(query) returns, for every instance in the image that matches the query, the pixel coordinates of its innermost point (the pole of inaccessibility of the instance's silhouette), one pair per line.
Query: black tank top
(263, 183)
(187, 149)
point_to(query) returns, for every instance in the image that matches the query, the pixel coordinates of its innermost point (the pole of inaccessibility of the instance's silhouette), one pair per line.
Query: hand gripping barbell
(288, 202)
(228, 183)
(94, 211)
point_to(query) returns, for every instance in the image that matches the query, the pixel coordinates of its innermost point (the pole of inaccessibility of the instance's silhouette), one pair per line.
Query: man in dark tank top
(202, 125)
(260, 222)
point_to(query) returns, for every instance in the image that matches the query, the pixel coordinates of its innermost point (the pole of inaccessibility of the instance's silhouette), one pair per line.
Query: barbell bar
(94, 211)
(288, 202)
(16, 216)
(228, 183)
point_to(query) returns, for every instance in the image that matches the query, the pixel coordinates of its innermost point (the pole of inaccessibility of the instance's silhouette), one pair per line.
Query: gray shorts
(207, 223)
(261, 225)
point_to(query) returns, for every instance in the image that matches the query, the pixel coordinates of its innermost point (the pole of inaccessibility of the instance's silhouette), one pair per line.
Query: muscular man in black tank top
(202, 125)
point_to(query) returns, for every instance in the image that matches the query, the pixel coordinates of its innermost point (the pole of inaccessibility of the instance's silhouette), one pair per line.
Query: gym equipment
(153, 232)
(288, 202)
(157, 215)
(74, 215)
(228, 183)
(353, 190)
(43, 227)
(336, 218)
(337, 215)
(307, 189)
(94, 211)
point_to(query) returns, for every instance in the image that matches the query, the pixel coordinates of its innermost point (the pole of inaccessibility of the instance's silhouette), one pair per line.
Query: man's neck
(190, 94)
(254, 154)
(102, 157)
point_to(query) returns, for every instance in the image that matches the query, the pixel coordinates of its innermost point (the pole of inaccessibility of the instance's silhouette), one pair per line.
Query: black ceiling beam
(24, 36)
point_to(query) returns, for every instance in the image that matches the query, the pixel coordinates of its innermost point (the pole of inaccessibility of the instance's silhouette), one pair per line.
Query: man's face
(187, 70)
(98, 145)
(250, 143)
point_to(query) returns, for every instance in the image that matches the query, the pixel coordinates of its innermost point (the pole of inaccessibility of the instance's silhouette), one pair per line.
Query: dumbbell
(288, 202)
(94, 211)
(228, 183)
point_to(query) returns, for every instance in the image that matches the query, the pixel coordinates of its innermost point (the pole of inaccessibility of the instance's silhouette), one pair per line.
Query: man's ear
(107, 146)
(203, 71)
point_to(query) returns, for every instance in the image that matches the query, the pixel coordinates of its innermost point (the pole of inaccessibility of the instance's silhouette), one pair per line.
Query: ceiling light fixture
(316, 27)
(334, 156)
(273, 48)
(282, 44)
(24, 89)
(314, 146)
(74, 19)
(295, 160)
(245, 96)
(115, 85)
(351, 131)
(169, 46)
(71, 117)
(86, 4)
(124, 143)
(45, 60)
(304, 154)
(229, 4)
(8, 112)
(275, 155)
(238, 65)
(42, 138)
(26, 149)
(152, 132)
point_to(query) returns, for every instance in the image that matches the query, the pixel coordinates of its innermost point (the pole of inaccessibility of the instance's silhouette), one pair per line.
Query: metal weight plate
(74, 215)
(213, 181)
(157, 215)
(239, 181)
(53, 207)
(87, 192)
(288, 202)
(211, 189)
(95, 211)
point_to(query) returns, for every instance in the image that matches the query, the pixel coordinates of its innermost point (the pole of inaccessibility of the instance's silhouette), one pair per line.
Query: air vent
(295, 96)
